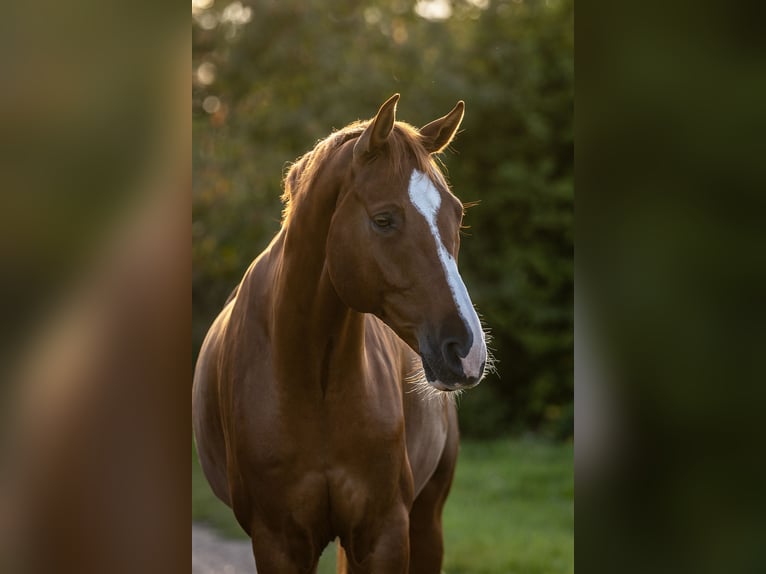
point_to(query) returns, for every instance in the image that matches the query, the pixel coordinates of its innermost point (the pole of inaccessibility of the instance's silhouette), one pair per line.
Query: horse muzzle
(453, 365)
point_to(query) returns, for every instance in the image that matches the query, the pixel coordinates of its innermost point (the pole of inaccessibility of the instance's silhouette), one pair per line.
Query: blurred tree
(270, 78)
(520, 166)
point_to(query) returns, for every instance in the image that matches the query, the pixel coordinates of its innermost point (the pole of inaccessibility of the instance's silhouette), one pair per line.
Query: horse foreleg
(426, 539)
(379, 547)
(277, 554)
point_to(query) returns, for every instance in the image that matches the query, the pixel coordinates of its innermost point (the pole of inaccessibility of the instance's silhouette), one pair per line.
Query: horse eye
(382, 221)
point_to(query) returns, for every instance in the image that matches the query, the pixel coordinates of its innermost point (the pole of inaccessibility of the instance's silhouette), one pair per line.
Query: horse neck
(313, 328)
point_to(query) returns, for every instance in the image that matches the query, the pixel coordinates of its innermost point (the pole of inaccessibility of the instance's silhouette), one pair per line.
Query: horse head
(393, 244)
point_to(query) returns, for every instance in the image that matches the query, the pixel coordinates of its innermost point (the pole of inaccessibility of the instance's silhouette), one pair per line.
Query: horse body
(304, 420)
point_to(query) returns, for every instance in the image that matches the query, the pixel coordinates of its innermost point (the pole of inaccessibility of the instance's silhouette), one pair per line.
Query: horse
(309, 413)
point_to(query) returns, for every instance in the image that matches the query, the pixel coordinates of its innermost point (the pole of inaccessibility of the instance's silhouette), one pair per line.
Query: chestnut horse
(303, 416)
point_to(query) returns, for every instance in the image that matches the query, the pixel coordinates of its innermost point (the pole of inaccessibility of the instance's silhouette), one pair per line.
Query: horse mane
(405, 141)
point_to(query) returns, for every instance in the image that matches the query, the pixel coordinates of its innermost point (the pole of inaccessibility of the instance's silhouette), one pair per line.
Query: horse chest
(325, 432)
(355, 446)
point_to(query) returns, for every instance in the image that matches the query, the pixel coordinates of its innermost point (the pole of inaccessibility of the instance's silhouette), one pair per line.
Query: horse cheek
(352, 273)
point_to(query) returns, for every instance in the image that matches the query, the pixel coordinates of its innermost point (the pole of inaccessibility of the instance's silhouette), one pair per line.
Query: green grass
(511, 510)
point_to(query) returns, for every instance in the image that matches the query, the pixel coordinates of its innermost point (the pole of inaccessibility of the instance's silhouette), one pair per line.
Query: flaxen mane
(405, 141)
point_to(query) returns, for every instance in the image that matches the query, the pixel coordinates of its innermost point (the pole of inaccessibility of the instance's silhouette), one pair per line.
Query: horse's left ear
(439, 133)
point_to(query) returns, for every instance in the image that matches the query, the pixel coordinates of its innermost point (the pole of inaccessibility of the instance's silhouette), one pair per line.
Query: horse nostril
(452, 354)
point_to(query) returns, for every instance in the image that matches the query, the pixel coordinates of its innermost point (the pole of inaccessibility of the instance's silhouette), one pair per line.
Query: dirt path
(212, 554)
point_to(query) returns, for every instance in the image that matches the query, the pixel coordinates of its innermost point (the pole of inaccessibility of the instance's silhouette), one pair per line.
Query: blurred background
(271, 78)
(95, 265)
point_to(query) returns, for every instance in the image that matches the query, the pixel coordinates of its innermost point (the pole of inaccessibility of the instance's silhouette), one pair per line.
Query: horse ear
(439, 133)
(378, 130)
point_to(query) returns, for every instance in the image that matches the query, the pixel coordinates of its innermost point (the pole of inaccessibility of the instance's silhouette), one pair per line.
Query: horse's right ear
(377, 131)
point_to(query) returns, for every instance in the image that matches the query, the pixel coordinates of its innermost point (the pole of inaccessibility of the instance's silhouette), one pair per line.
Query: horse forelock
(404, 143)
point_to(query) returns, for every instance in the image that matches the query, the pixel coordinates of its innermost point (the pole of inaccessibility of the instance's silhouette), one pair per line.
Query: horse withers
(308, 410)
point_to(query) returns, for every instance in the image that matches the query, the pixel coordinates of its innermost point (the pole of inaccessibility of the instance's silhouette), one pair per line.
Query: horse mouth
(430, 376)
(444, 383)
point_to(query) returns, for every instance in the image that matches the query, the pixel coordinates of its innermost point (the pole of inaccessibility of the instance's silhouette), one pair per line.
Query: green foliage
(300, 68)
(510, 510)
(481, 414)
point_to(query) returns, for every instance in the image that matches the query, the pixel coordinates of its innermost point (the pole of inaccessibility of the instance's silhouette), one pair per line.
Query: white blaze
(427, 200)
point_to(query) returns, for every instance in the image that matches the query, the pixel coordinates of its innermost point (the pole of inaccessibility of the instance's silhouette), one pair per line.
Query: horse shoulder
(219, 367)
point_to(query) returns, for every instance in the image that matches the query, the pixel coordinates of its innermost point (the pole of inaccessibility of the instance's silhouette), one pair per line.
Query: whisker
(416, 380)
(490, 366)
